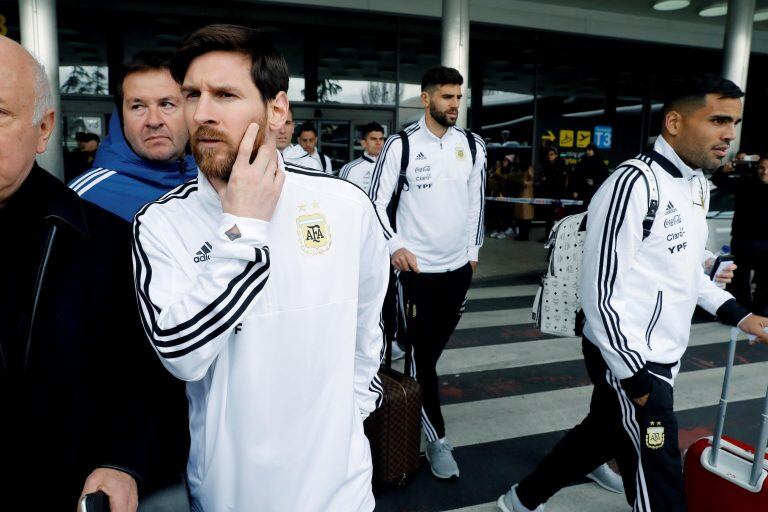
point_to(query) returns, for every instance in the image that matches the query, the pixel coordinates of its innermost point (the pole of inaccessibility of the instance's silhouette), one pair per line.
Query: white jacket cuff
(253, 234)
(394, 244)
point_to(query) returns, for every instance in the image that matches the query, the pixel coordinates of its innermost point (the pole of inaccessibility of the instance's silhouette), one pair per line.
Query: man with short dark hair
(641, 280)
(359, 171)
(87, 142)
(260, 285)
(305, 153)
(143, 156)
(437, 235)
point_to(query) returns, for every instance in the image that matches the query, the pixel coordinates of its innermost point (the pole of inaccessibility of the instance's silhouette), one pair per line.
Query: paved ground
(510, 393)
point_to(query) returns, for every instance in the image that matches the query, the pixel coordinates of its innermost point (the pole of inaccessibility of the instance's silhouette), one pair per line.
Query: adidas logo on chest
(204, 253)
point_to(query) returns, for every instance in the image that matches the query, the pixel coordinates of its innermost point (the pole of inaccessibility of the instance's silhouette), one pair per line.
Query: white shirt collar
(662, 147)
(423, 125)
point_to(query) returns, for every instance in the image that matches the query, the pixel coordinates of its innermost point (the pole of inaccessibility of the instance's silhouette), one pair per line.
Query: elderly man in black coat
(76, 374)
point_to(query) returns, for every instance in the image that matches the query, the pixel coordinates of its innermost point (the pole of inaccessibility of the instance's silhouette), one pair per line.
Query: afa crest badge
(654, 435)
(314, 233)
(460, 153)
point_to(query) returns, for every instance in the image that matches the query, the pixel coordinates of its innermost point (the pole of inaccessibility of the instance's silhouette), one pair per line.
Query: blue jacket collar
(115, 154)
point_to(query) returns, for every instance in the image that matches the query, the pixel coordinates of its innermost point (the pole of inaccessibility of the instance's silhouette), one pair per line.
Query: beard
(440, 115)
(217, 162)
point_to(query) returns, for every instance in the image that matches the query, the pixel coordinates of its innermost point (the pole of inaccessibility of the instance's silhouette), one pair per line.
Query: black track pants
(642, 439)
(434, 302)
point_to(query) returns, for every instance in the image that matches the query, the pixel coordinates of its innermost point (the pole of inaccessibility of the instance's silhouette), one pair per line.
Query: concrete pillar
(455, 47)
(736, 49)
(39, 35)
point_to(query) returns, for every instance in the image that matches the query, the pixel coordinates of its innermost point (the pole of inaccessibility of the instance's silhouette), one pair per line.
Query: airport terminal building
(569, 72)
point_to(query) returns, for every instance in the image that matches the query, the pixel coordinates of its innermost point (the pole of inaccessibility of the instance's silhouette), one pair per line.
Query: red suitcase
(723, 474)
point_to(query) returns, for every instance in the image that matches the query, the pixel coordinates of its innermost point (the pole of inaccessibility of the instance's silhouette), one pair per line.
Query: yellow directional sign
(550, 136)
(583, 138)
(566, 138)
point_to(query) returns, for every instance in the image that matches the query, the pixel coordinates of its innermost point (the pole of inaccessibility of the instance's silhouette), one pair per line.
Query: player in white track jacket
(641, 280)
(275, 328)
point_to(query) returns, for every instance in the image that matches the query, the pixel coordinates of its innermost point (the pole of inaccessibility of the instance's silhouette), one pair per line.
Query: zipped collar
(668, 159)
(448, 134)
(369, 158)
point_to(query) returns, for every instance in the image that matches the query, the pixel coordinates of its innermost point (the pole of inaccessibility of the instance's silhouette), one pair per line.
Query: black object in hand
(95, 502)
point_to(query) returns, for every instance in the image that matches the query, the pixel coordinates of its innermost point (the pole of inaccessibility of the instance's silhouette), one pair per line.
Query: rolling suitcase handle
(710, 456)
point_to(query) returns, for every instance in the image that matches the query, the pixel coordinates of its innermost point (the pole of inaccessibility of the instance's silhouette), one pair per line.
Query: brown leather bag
(394, 429)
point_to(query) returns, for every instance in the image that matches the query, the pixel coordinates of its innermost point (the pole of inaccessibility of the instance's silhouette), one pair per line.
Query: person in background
(587, 176)
(553, 184)
(81, 158)
(749, 231)
(438, 232)
(359, 171)
(305, 153)
(284, 141)
(521, 186)
(143, 156)
(497, 186)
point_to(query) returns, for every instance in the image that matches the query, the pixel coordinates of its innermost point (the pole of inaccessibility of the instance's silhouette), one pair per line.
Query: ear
(277, 111)
(673, 122)
(425, 99)
(46, 126)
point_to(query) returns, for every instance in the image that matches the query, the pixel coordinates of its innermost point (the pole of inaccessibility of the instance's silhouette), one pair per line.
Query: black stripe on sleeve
(255, 271)
(608, 268)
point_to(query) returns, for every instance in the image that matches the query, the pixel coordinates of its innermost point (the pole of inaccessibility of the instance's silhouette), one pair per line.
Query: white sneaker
(607, 478)
(397, 352)
(509, 502)
(441, 460)
(511, 231)
(494, 234)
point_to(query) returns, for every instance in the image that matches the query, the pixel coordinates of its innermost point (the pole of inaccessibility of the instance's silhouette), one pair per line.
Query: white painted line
(554, 350)
(496, 419)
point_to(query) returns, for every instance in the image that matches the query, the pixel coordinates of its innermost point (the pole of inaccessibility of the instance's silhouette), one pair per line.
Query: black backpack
(402, 181)
(322, 163)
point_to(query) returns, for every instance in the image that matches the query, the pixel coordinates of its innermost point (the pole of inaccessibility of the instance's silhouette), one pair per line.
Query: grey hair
(43, 95)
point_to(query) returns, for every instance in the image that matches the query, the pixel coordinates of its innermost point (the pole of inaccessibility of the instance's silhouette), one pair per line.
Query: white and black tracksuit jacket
(440, 214)
(278, 336)
(296, 155)
(359, 171)
(639, 295)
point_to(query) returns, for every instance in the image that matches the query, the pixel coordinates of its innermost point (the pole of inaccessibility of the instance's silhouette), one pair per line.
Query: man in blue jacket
(143, 156)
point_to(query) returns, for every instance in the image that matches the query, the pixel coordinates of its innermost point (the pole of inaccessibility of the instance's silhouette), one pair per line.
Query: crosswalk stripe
(576, 497)
(497, 318)
(515, 355)
(500, 292)
(495, 419)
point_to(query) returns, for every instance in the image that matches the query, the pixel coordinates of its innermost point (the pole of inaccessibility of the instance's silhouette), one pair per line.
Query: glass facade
(532, 88)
